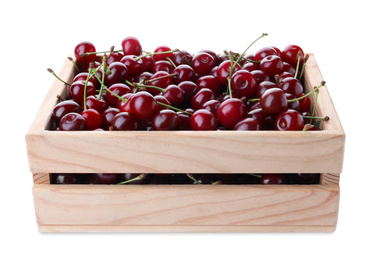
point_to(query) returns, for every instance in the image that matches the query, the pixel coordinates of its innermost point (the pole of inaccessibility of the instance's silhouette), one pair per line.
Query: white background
(344, 37)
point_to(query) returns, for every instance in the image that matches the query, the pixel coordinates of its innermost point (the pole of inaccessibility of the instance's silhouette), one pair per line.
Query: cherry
(189, 89)
(82, 48)
(223, 71)
(119, 89)
(263, 86)
(106, 178)
(272, 178)
(131, 46)
(212, 106)
(182, 57)
(77, 91)
(289, 120)
(249, 66)
(305, 104)
(243, 83)
(202, 63)
(273, 101)
(247, 124)
(114, 56)
(284, 75)
(264, 52)
(98, 104)
(72, 122)
(290, 55)
(82, 76)
(125, 121)
(260, 76)
(265, 120)
(162, 56)
(212, 53)
(143, 105)
(184, 73)
(203, 120)
(174, 95)
(65, 178)
(63, 108)
(147, 63)
(230, 112)
(295, 105)
(201, 97)
(162, 65)
(125, 106)
(118, 73)
(159, 79)
(165, 120)
(184, 121)
(272, 65)
(211, 82)
(133, 67)
(146, 75)
(288, 68)
(108, 115)
(93, 118)
(163, 100)
(292, 86)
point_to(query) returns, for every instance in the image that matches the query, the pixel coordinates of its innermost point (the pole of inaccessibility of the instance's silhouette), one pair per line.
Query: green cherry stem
(298, 64)
(99, 52)
(55, 75)
(85, 86)
(138, 178)
(139, 85)
(193, 178)
(174, 108)
(240, 57)
(105, 57)
(309, 93)
(303, 68)
(325, 118)
(150, 54)
(314, 106)
(73, 62)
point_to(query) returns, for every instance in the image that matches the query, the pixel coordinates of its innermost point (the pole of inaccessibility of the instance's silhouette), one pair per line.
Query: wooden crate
(187, 208)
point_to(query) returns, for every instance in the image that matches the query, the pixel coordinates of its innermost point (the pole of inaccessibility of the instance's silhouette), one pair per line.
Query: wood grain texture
(187, 205)
(330, 179)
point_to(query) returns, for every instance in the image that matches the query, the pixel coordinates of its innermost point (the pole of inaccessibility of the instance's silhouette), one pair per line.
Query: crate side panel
(175, 205)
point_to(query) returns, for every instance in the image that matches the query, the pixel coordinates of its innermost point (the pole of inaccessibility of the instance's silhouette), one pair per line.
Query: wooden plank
(330, 179)
(181, 229)
(186, 205)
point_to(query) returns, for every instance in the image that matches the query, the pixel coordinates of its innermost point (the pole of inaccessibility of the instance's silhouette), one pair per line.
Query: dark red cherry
(273, 178)
(125, 121)
(209, 81)
(63, 108)
(133, 67)
(118, 73)
(212, 53)
(82, 48)
(305, 104)
(162, 100)
(289, 120)
(292, 86)
(125, 106)
(223, 71)
(160, 79)
(248, 124)
(77, 91)
(93, 118)
(163, 56)
(266, 121)
(165, 120)
(182, 57)
(143, 105)
(203, 120)
(174, 95)
(119, 89)
(115, 56)
(272, 65)
(189, 89)
(231, 111)
(288, 68)
(212, 106)
(184, 121)
(243, 83)
(131, 46)
(295, 105)
(107, 178)
(146, 75)
(72, 122)
(147, 63)
(273, 101)
(263, 86)
(82, 76)
(202, 63)
(107, 117)
(264, 52)
(201, 97)
(162, 65)
(249, 66)
(290, 55)
(184, 73)
(260, 76)
(65, 178)
(98, 104)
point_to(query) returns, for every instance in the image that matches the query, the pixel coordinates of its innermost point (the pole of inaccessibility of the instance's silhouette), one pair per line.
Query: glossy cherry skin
(223, 71)
(107, 117)
(249, 66)
(72, 122)
(93, 118)
(143, 105)
(211, 106)
(247, 124)
(201, 97)
(212, 53)
(98, 104)
(305, 104)
(165, 120)
(119, 89)
(107, 178)
(203, 120)
(184, 121)
(65, 107)
(77, 91)
(230, 112)
(82, 76)
(266, 121)
(162, 48)
(115, 56)
(65, 178)
(163, 100)
(273, 101)
(174, 95)
(118, 73)
(211, 82)
(264, 52)
(125, 106)
(189, 89)
(288, 68)
(131, 46)
(162, 65)
(243, 84)
(125, 121)
(160, 79)
(295, 105)
(84, 47)
(182, 57)
(273, 178)
(290, 55)
(133, 67)
(272, 65)
(289, 120)
(202, 63)
(292, 86)
(263, 86)
(260, 76)
(184, 73)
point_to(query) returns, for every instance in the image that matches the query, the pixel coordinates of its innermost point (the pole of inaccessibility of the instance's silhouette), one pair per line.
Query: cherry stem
(193, 178)
(174, 108)
(240, 57)
(298, 63)
(163, 77)
(138, 178)
(85, 86)
(309, 93)
(255, 175)
(107, 89)
(99, 52)
(139, 85)
(105, 57)
(307, 127)
(74, 63)
(186, 60)
(150, 54)
(325, 118)
(303, 68)
(55, 75)
(314, 106)
(172, 63)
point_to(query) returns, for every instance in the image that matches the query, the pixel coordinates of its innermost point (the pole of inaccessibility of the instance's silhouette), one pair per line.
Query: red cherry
(184, 73)
(272, 178)
(125, 107)
(243, 83)
(184, 121)
(211, 82)
(165, 120)
(201, 97)
(63, 108)
(162, 100)
(292, 86)
(82, 76)
(273, 101)
(182, 57)
(159, 79)
(203, 120)
(202, 63)
(119, 89)
(290, 55)
(82, 48)
(93, 118)
(305, 104)
(143, 105)
(189, 90)
(133, 67)
(272, 65)
(118, 73)
(289, 120)
(131, 46)
(72, 122)
(265, 120)
(162, 48)
(263, 86)
(230, 112)
(212, 106)
(107, 117)
(162, 65)
(247, 124)
(125, 121)
(174, 95)
(223, 71)
(77, 91)
(115, 56)
(260, 76)
(264, 52)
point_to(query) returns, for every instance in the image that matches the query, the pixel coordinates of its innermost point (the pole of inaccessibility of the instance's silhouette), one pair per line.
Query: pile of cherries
(171, 89)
